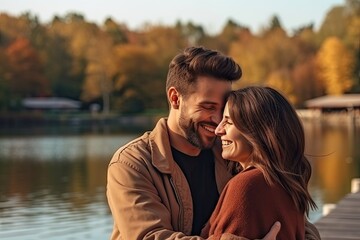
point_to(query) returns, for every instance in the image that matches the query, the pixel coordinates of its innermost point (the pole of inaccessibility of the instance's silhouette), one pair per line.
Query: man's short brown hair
(199, 61)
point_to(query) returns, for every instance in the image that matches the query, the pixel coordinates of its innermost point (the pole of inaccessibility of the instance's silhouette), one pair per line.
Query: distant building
(329, 102)
(51, 103)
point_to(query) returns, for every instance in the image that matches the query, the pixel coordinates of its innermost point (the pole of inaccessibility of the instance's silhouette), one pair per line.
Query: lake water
(52, 184)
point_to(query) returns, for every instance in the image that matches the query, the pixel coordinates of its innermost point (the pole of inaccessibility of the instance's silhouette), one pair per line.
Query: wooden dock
(343, 221)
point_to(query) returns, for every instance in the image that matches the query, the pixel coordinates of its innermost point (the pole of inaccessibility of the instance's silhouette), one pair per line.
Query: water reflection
(335, 157)
(53, 187)
(47, 216)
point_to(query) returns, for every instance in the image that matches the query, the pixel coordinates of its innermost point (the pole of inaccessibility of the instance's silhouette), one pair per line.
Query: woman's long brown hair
(272, 127)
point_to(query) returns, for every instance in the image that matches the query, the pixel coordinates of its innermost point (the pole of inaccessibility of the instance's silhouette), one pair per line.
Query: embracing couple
(224, 164)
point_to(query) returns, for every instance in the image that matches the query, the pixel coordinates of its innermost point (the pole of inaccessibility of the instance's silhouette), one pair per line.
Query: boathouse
(335, 102)
(51, 103)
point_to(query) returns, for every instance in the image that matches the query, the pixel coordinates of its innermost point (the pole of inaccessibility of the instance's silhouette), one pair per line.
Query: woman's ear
(174, 97)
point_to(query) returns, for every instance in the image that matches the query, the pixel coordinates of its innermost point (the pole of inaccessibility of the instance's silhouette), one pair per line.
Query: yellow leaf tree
(335, 66)
(101, 70)
(280, 80)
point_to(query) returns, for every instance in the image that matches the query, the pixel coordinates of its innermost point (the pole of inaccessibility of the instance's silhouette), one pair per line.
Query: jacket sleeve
(136, 207)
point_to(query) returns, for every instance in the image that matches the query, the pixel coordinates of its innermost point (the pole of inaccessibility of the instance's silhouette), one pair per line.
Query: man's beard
(191, 133)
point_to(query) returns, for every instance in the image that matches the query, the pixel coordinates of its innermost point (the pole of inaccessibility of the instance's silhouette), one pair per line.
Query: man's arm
(136, 207)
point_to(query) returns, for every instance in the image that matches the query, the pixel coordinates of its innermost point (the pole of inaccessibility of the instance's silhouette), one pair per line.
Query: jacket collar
(162, 159)
(161, 154)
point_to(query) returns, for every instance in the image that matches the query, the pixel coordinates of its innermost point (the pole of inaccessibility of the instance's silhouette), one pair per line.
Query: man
(166, 183)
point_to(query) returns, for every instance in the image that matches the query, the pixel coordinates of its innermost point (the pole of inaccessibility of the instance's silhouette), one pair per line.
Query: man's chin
(208, 143)
(202, 142)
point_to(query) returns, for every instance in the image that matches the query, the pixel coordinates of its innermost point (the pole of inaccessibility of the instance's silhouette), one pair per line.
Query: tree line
(124, 70)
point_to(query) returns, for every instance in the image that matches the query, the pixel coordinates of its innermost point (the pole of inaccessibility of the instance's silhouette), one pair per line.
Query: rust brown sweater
(248, 207)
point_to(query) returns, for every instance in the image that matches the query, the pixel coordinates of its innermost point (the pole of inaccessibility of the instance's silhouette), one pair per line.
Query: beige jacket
(148, 194)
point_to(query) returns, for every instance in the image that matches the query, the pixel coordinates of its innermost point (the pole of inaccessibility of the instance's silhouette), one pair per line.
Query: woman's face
(234, 145)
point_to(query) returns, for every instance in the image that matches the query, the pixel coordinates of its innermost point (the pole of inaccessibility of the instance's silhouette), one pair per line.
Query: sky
(210, 14)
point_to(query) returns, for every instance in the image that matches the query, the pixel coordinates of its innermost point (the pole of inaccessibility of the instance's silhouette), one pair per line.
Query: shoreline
(141, 121)
(77, 120)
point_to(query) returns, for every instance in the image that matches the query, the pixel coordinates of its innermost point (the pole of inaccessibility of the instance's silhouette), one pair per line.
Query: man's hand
(271, 235)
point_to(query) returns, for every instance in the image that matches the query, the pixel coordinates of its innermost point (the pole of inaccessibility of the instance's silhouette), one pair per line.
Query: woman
(262, 133)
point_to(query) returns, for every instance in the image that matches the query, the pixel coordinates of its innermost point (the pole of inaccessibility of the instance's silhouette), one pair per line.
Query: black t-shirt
(200, 174)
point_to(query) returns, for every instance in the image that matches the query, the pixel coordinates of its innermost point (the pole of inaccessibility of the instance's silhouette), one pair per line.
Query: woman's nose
(219, 130)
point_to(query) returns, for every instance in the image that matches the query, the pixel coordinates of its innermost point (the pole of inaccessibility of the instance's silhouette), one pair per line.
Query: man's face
(201, 111)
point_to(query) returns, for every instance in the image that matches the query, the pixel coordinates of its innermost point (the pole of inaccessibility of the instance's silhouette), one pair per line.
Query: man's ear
(174, 97)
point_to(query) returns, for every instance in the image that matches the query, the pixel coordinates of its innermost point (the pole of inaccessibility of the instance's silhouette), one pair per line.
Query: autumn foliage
(335, 66)
(125, 70)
